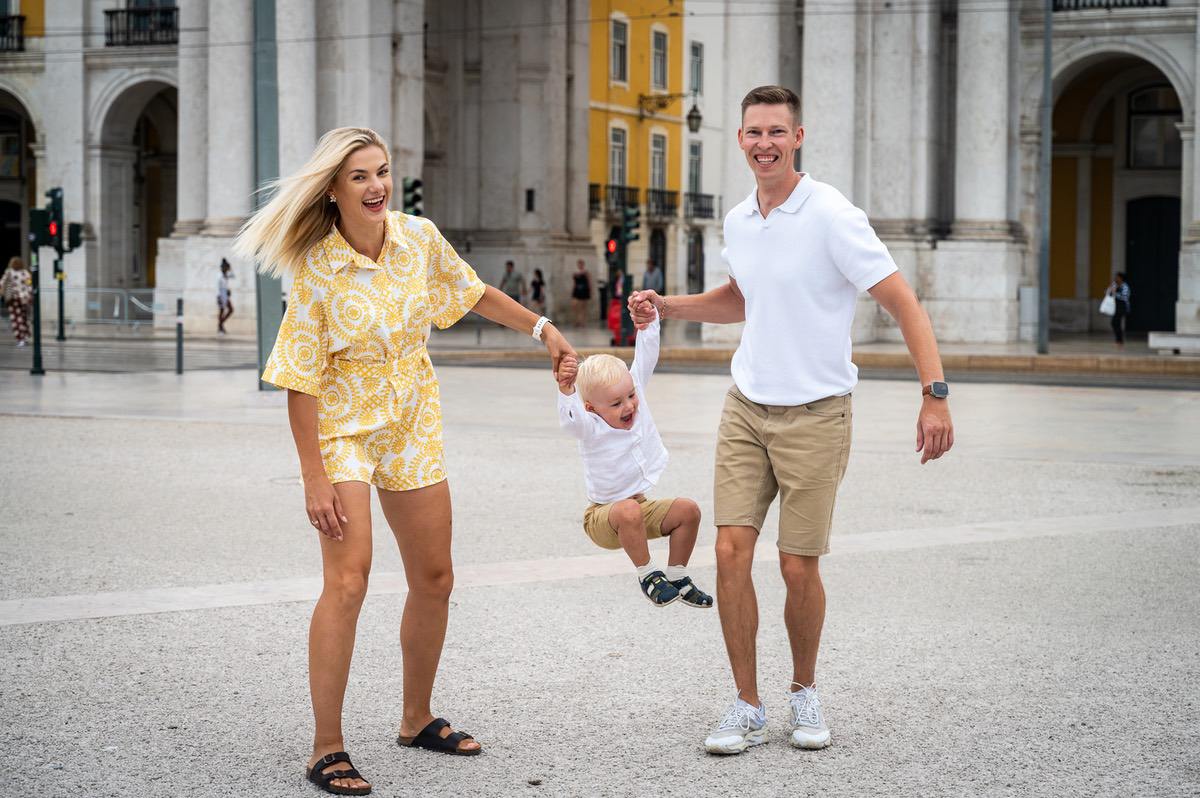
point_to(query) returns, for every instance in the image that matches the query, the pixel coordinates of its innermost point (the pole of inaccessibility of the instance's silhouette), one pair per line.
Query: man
(798, 254)
(512, 283)
(652, 280)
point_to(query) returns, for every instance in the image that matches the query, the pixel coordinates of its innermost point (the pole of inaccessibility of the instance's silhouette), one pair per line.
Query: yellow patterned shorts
(384, 458)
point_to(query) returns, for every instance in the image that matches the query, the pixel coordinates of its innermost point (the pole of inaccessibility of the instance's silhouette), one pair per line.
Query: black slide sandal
(325, 779)
(429, 739)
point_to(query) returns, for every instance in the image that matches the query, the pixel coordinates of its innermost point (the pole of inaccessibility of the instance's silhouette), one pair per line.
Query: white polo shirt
(800, 271)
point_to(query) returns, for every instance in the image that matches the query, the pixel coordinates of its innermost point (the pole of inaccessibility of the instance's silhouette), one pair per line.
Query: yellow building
(636, 124)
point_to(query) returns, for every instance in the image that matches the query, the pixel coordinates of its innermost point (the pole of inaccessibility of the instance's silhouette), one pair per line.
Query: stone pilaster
(296, 72)
(192, 186)
(828, 93)
(230, 116)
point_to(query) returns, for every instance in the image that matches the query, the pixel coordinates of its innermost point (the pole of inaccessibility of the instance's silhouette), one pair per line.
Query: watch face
(939, 389)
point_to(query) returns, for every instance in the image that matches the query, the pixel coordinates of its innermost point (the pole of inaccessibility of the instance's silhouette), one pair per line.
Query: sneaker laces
(738, 717)
(806, 707)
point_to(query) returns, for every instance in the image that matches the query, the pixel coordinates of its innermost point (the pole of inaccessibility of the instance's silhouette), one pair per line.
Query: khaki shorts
(602, 533)
(799, 452)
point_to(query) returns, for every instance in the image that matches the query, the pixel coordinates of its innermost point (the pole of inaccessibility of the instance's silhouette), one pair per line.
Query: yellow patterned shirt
(355, 330)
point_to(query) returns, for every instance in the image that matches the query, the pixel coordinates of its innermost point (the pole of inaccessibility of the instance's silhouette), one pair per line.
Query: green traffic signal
(631, 220)
(414, 201)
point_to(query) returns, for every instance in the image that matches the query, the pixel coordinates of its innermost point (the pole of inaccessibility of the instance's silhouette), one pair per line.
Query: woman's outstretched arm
(496, 306)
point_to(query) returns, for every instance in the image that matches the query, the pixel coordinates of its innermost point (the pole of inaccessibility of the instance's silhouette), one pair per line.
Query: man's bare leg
(738, 606)
(803, 613)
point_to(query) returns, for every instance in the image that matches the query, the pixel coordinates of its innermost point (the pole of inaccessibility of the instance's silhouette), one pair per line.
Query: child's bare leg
(681, 525)
(625, 516)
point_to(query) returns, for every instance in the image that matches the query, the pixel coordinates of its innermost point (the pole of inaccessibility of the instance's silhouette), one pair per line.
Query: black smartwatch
(938, 390)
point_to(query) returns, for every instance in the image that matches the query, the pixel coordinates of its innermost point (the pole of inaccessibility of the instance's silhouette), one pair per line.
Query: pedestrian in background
(581, 293)
(653, 279)
(537, 293)
(1119, 291)
(224, 296)
(17, 287)
(512, 283)
(364, 407)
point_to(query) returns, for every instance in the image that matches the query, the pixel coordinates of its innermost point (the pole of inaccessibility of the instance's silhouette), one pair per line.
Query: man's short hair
(509, 263)
(773, 95)
(598, 371)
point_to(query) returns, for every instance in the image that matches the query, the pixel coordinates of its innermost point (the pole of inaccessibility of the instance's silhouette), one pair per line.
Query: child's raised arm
(645, 353)
(572, 416)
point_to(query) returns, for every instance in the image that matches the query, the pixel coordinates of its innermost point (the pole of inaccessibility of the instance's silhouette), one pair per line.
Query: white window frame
(695, 167)
(659, 164)
(696, 66)
(655, 32)
(623, 164)
(623, 78)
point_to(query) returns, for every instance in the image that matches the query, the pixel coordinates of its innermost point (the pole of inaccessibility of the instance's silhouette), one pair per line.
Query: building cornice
(633, 111)
(156, 56)
(1118, 22)
(22, 62)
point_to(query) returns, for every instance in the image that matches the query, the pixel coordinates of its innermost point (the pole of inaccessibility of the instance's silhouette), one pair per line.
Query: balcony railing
(661, 204)
(1105, 5)
(618, 197)
(12, 34)
(131, 27)
(595, 199)
(698, 206)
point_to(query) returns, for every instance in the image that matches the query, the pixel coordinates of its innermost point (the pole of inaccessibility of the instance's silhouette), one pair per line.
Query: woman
(364, 409)
(224, 296)
(1119, 290)
(581, 293)
(16, 285)
(537, 293)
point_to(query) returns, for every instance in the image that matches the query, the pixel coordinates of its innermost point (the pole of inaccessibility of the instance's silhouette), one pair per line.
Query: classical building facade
(926, 114)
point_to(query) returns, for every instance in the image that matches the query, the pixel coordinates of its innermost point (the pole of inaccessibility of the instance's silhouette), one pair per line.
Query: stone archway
(18, 176)
(1117, 125)
(136, 160)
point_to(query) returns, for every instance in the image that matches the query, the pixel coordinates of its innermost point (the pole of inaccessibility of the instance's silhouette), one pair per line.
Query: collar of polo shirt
(790, 205)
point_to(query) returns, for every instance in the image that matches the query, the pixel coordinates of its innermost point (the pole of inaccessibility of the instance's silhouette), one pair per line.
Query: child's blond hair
(599, 371)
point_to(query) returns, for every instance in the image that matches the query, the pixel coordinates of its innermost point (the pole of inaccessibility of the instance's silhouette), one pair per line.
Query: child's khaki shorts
(602, 533)
(799, 452)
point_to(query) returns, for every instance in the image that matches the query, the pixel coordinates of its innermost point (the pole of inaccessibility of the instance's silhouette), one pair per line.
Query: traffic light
(610, 250)
(39, 227)
(414, 202)
(74, 236)
(54, 225)
(631, 220)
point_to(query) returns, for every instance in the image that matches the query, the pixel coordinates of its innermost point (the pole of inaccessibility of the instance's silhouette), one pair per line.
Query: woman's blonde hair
(280, 233)
(598, 371)
(16, 263)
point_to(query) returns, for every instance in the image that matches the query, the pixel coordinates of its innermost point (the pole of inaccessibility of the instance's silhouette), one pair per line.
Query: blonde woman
(16, 285)
(364, 409)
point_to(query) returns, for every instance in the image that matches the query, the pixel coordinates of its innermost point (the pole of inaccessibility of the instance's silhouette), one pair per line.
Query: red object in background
(614, 324)
(612, 246)
(53, 229)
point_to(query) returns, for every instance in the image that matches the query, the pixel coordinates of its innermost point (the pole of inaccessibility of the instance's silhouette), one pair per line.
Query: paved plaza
(1019, 618)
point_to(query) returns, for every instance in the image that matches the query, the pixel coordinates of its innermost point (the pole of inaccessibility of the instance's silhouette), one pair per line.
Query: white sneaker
(808, 722)
(742, 727)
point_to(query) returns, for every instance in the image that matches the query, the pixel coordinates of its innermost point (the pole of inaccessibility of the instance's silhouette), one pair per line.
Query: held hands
(935, 430)
(557, 347)
(642, 307)
(568, 369)
(323, 506)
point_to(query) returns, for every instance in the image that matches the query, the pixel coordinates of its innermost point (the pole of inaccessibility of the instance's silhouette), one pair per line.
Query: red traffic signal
(611, 246)
(53, 229)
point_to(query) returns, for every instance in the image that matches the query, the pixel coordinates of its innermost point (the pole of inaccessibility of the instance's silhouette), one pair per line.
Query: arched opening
(18, 178)
(1116, 194)
(137, 156)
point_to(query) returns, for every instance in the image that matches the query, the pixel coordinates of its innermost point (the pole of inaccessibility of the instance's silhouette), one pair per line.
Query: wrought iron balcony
(132, 27)
(1106, 5)
(595, 200)
(12, 34)
(698, 206)
(661, 204)
(616, 198)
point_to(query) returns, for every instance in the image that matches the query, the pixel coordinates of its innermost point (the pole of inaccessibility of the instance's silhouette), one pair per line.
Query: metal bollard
(179, 335)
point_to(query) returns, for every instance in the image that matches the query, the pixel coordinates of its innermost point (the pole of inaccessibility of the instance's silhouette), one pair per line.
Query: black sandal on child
(430, 739)
(324, 779)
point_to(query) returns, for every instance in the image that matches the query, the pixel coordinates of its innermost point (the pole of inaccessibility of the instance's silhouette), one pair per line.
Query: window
(658, 68)
(695, 163)
(1154, 141)
(620, 48)
(616, 156)
(658, 161)
(697, 68)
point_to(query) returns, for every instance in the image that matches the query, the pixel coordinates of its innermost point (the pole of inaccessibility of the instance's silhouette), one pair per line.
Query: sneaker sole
(751, 739)
(660, 604)
(697, 606)
(810, 742)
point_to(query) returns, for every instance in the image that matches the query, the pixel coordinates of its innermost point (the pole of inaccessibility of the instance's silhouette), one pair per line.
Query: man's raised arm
(722, 305)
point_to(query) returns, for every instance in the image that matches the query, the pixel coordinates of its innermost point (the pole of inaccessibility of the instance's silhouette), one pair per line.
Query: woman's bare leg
(421, 521)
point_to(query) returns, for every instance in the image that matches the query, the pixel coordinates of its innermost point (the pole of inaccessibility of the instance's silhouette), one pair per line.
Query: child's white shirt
(619, 463)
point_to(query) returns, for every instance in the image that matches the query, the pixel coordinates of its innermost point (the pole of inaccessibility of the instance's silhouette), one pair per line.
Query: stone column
(408, 91)
(981, 124)
(192, 187)
(1187, 306)
(230, 116)
(296, 72)
(828, 93)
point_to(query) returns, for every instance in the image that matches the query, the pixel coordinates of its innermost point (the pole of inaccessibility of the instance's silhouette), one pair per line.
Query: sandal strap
(434, 726)
(457, 737)
(329, 759)
(334, 775)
